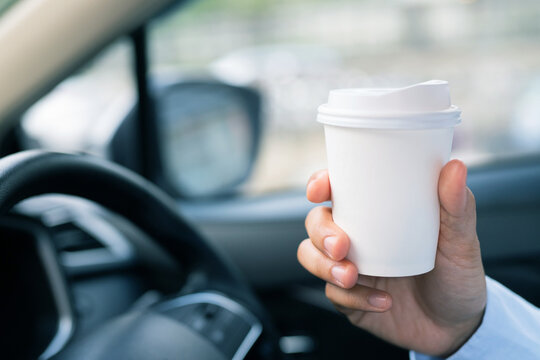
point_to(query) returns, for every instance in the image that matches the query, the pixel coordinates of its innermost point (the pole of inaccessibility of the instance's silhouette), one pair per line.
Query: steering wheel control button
(219, 319)
(211, 310)
(217, 336)
(198, 323)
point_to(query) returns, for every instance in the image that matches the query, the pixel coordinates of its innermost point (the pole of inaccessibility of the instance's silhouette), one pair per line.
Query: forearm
(510, 329)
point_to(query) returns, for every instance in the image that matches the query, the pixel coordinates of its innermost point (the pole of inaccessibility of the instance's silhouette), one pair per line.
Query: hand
(433, 313)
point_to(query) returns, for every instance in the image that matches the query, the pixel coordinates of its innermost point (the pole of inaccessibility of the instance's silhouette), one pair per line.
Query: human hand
(434, 313)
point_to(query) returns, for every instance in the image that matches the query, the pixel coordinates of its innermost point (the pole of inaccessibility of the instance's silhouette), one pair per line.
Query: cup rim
(449, 117)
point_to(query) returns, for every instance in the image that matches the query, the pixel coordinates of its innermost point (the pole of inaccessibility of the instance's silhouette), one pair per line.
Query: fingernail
(379, 301)
(315, 177)
(338, 273)
(309, 185)
(310, 181)
(329, 245)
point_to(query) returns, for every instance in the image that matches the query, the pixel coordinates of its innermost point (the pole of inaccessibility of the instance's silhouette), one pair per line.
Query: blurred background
(215, 101)
(294, 52)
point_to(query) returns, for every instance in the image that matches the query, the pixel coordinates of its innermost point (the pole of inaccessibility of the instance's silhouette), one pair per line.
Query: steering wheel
(209, 277)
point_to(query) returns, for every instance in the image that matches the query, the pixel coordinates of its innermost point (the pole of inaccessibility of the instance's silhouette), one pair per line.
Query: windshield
(296, 51)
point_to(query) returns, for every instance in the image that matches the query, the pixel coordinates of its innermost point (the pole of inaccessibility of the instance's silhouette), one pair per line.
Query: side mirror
(206, 136)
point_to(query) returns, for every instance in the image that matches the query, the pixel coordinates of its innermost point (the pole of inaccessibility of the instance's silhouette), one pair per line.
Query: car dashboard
(35, 307)
(69, 265)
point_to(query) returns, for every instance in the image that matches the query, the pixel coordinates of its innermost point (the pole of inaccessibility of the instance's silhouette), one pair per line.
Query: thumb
(458, 210)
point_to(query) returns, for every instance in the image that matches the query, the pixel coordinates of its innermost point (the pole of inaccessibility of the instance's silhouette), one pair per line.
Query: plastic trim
(47, 254)
(226, 303)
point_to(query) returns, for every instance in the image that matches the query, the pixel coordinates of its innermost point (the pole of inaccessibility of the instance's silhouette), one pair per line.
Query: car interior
(150, 249)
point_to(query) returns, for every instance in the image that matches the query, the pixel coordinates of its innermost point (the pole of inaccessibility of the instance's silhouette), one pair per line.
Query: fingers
(325, 234)
(342, 273)
(458, 208)
(453, 189)
(318, 187)
(360, 297)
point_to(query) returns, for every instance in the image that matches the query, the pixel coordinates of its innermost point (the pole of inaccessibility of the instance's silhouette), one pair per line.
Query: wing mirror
(205, 139)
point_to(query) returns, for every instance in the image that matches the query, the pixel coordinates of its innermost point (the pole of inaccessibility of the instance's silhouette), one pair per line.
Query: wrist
(462, 334)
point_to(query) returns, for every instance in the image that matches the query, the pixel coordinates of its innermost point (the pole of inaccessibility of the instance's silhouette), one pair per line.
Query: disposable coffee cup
(385, 149)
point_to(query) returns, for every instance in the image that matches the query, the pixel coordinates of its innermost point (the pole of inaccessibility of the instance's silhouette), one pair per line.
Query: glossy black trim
(56, 279)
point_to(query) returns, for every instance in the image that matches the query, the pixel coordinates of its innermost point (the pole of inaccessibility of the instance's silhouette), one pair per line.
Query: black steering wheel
(209, 278)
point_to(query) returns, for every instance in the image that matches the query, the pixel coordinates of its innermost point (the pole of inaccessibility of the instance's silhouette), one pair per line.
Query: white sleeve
(510, 329)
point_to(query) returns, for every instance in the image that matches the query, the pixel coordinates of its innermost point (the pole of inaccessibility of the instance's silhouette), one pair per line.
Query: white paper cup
(385, 150)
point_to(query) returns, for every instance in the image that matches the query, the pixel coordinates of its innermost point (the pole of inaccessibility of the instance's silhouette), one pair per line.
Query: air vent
(84, 234)
(87, 243)
(69, 238)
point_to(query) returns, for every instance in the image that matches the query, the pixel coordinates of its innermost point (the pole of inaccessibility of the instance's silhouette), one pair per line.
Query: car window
(81, 112)
(295, 51)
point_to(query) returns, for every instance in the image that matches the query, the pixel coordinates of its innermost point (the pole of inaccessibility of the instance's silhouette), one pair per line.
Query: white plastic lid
(422, 106)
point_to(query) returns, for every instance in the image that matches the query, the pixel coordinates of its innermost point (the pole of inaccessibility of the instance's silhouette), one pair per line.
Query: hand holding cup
(433, 313)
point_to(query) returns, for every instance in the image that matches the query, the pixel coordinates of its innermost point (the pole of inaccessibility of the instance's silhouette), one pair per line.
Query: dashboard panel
(66, 266)
(35, 313)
